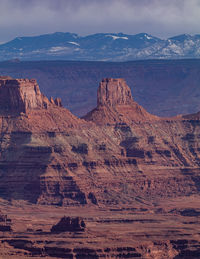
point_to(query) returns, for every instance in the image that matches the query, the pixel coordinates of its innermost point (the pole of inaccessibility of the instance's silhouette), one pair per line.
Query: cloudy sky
(162, 18)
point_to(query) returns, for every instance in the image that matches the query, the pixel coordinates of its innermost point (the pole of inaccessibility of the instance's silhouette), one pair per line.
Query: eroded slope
(118, 158)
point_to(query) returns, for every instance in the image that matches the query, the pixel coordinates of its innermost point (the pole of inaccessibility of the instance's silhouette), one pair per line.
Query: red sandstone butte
(116, 105)
(135, 179)
(20, 95)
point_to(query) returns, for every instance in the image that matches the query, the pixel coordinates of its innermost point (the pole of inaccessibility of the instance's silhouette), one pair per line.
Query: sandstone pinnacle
(116, 105)
(113, 92)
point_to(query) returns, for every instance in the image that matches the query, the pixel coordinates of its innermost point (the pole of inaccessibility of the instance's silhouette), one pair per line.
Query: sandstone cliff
(29, 108)
(116, 105)
(124, 166)
(21, 95)
(113, 92)
(51, 154)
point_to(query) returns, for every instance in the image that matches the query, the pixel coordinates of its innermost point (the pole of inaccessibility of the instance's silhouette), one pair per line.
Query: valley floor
(168, 228)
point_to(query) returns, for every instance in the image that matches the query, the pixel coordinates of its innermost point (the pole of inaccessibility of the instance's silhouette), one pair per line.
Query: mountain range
(100, 47)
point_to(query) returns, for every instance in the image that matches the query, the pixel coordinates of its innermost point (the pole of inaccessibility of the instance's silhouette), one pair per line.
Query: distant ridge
(100, 47)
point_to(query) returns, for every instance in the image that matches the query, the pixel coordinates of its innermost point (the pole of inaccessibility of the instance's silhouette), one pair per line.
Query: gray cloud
(158, 17)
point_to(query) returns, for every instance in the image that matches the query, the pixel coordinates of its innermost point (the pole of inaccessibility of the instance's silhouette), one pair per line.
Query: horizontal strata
(113, 154)
(133, 176)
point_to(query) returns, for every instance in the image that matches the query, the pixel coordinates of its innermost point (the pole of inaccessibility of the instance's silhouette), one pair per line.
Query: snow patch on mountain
(148, 37)
(74, 43)
(117, 37)
(57, 49)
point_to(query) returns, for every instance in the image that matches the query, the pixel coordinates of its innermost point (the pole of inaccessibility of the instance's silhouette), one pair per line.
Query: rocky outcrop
(30, 109)
(113, 92)
(21, 95)
(67, 224)
(129, 165)
(48, 156)
(5, 223)
(57, 101)
(115, 105)
(4, 218)
(70, 248)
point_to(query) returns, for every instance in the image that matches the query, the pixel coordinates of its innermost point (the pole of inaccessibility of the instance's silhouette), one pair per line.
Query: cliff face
(21, 95)
(116, 105)
(51, 154)
(121, 165)
(112, 92)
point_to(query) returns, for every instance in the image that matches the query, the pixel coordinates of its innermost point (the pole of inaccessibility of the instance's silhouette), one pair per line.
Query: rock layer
(119, 159)
(48, 155)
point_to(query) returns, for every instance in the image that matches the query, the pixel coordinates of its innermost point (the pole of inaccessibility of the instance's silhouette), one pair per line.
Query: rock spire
(113, 92)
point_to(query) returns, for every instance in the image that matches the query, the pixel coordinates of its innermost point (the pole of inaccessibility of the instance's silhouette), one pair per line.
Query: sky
(161, 18)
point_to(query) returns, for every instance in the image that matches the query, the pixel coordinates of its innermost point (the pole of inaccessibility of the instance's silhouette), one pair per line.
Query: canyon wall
(133, 176)
(49, 156)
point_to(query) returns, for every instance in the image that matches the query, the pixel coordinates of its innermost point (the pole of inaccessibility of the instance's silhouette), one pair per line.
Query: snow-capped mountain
(101, 46)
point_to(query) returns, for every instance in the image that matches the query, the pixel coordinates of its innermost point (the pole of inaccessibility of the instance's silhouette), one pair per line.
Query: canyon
(133, 177)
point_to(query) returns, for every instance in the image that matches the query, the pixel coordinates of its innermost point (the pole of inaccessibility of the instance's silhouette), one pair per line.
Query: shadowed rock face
(5, 223)
(69, 224)
(58, 102)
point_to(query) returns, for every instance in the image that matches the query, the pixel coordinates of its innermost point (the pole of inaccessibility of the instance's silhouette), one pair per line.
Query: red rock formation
(112, 92)
(115, 104)
(67, 224)
(51, 154)
(58, 102)
(137, 164)
(5, 223)
(20, 95)
(52, 100)
(23, 96)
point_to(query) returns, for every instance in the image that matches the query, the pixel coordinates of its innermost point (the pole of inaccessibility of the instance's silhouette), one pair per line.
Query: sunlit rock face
(114, 92)
(48, 155)
(115, 104)
(21, 95)
(132, 176)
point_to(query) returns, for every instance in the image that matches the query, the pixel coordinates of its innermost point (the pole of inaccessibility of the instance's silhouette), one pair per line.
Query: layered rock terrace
(50, 153)
(117, 158)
